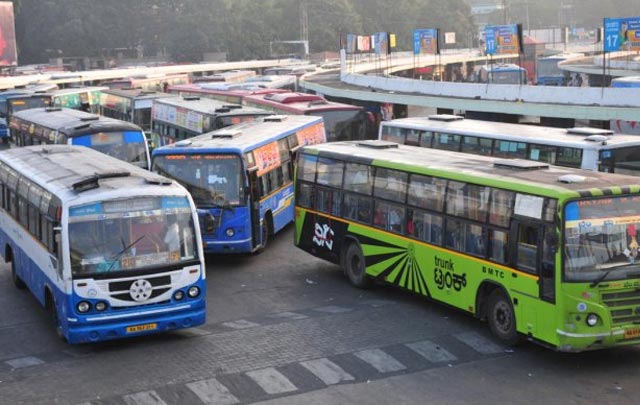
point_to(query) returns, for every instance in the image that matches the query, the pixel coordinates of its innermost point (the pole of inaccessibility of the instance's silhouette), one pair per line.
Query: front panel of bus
(345, 125)
(219, 189)
(135, 266)
(129, 146)
(601, 273)
(620, 160)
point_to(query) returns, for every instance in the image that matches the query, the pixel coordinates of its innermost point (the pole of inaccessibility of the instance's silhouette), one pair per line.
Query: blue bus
(120, 139)
(241, 178)
(109, 249)
(626, 82)
(12, 101)
(507, 73)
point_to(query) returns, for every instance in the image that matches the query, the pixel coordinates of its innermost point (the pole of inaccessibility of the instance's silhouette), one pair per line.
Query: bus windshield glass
(343, 125)
(26, 103)
(624, 160)
(130, 234)
(602, 237)
(214, 180)
(128, 146)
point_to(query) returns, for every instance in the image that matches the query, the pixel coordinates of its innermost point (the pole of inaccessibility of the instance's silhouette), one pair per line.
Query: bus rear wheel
(502, 319)
(354, 266)
(17, 281)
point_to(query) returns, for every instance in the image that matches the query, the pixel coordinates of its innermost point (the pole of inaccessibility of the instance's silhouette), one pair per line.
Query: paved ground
(286, 328)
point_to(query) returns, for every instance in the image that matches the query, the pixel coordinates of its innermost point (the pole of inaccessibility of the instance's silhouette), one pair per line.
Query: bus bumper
(111, 326)
(579, 342)
(227, 247)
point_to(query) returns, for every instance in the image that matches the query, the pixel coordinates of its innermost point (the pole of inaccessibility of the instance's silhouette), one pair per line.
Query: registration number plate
(632, 333)
(142, 328)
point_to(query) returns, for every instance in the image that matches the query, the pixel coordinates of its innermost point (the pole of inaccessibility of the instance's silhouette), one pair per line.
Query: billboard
(425, 41)
(502, 39)
(8, 53)
(622, 34)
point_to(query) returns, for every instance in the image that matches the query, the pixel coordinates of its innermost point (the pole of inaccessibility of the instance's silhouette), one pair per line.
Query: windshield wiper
(116, 258)
(601, 278)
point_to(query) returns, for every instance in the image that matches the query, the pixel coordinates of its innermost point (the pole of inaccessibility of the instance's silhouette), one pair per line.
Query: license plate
(632, 333)
(142, 328)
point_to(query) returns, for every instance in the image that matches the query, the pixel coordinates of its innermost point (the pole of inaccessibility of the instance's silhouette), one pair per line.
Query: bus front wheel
(17, 281)
(355, 268)
(502, 319)
(53, 314)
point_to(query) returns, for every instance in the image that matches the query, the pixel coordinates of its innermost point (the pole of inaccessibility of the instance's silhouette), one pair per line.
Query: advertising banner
(502, 39)
(8, 52)
(425, 41)
(622, 34)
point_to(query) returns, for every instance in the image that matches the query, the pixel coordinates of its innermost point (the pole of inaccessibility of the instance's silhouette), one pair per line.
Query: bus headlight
(101, 306)
(592, 319)
(178, 295)
(230, 232)
(83, 306)
(193, 292)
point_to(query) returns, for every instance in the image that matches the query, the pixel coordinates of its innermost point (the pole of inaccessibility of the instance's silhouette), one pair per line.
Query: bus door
(526, 253)
(254, 205)
(533, 251)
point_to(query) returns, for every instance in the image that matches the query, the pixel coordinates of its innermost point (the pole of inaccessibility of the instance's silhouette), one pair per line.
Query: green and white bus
(542, 252)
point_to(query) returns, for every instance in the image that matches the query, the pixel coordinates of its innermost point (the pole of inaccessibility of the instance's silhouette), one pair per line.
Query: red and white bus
(342, 122)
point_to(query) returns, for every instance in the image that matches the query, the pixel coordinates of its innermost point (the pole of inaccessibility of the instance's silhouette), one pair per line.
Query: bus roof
(75, 90)
(72, 122)
(299, 102)
(135, 93)
(210, 106)
(534, 177)
(589, 138)
(242, 137)
(627, 81)
(505, 67)
(57, 168)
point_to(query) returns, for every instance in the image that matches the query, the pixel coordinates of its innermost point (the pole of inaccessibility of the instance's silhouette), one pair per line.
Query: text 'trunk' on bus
(120, 139)
(111, 250)
(543, 252)
(241, 178)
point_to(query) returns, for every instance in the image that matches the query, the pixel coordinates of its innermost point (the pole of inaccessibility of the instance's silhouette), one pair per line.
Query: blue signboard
(622, 34)
(502, 39)
(425, 41)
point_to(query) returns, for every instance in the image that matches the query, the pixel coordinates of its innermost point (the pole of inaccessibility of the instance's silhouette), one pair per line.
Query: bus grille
(120, 289)
(624, 306)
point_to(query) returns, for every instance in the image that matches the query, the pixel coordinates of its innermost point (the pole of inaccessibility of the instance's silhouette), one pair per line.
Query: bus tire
(354, 266)
(53, 314)
(17, 281)
(267, 231)
(502, 319)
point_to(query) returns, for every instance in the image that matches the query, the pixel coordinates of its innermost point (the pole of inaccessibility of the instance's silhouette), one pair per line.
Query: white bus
(585, 148)
(109, 249)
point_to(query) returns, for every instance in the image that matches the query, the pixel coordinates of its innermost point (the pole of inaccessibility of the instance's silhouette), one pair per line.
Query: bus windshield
(621, 160)
(132, 234)
(343, 125)
(26, 103)
(128, 146)
(214, 180)
(602, 237)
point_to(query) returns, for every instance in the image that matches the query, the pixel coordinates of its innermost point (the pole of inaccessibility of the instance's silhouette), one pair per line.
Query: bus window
(508, 149)
(358, 178)
(527, 248)
(390, 184)
(426, 192)
(447, 142)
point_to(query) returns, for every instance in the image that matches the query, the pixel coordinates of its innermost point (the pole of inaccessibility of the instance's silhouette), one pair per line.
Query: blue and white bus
(626, 82)
(549, 73)
(506, 73)
(120, 139)
(241, 178)
(111, 250)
